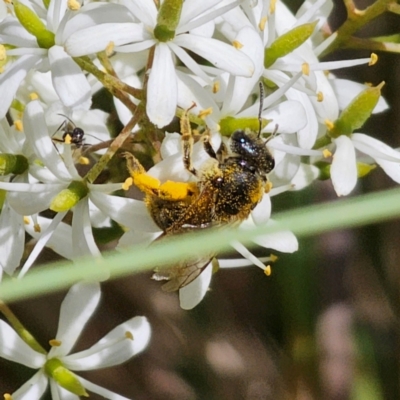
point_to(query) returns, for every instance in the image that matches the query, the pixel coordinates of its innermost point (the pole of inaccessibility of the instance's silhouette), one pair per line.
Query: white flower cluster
(210, 56)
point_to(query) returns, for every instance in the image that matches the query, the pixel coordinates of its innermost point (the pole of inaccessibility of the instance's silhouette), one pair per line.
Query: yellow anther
(369, 84)
(320, 97)
(329, 124)
(128, 335)
(8, 1)
(268, 187)
(305, 69)
(7, 396)
(268, 270)
(110, 48)
(237, 44)
(263, 22)
(84, 160)
(55, 343)
(272, 6)
(33, 96)
(216, 87)
(205, 113)
(27, 220)
(127, 184)
(67, 138)
(273, 257)
(373, 60)
(3, 53)
(37, 228)
(326, 153)
(73, 5)
(18, 125)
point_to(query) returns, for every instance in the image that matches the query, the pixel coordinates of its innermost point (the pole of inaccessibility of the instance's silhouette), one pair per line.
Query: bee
(71, 133)
(225, 190)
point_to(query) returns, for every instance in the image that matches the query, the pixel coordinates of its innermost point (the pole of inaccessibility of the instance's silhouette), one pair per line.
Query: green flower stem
(105, 62)
(394, 8)
(305, 221)
(356, 19)
(24, 334)
(116, 87)
(371, 44)
(115, 145)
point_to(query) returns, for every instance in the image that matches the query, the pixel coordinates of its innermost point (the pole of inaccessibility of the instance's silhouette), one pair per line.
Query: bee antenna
(68, 118)
(261, 86)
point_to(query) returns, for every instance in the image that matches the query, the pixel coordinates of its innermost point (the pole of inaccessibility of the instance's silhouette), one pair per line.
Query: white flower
(118, 346)
(190, 34)
(344, 164)
(49, 175)
(26, 54)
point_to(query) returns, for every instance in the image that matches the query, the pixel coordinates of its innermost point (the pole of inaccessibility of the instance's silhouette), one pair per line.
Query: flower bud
(55, 369)
(69, 197)
(168, 19)
(357, 112)
(13, 164)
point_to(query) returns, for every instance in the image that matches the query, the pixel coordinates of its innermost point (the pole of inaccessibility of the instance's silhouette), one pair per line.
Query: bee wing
(182, 273)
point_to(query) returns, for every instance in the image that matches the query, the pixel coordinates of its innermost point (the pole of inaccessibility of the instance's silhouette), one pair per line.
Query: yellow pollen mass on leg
(146, 183)
(176, 190)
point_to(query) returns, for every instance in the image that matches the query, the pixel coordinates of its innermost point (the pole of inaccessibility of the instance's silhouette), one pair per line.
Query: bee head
(252, 152)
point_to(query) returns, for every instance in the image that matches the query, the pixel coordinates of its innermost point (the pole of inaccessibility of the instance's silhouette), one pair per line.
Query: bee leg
(145, 182)
(187, 141)
(207, 145)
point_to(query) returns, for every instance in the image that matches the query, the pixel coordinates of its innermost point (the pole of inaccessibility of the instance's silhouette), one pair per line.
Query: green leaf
(357, 112)
(288, 42)
(305, 221)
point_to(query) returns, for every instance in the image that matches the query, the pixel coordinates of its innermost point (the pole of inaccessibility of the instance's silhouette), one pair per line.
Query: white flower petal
(38, 136)
(143, 10)
(170, 145)
(290, 117)
(76, 309)
(44, 238)
(128, 212)
(33, 388)
(12, 239)
(262, 212)
(162, 87)
(374, 148)
(242, 87)
(61, 239)
(192, 294)
(82, 234)
(97, 38)
(12, 77)
(31, 202)
(68, 79)
(132, 238)
(107, 394)
(13, 348)
(344, 167)
(284, 241)
(305, 175)
(114, 348)
(220, 54)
